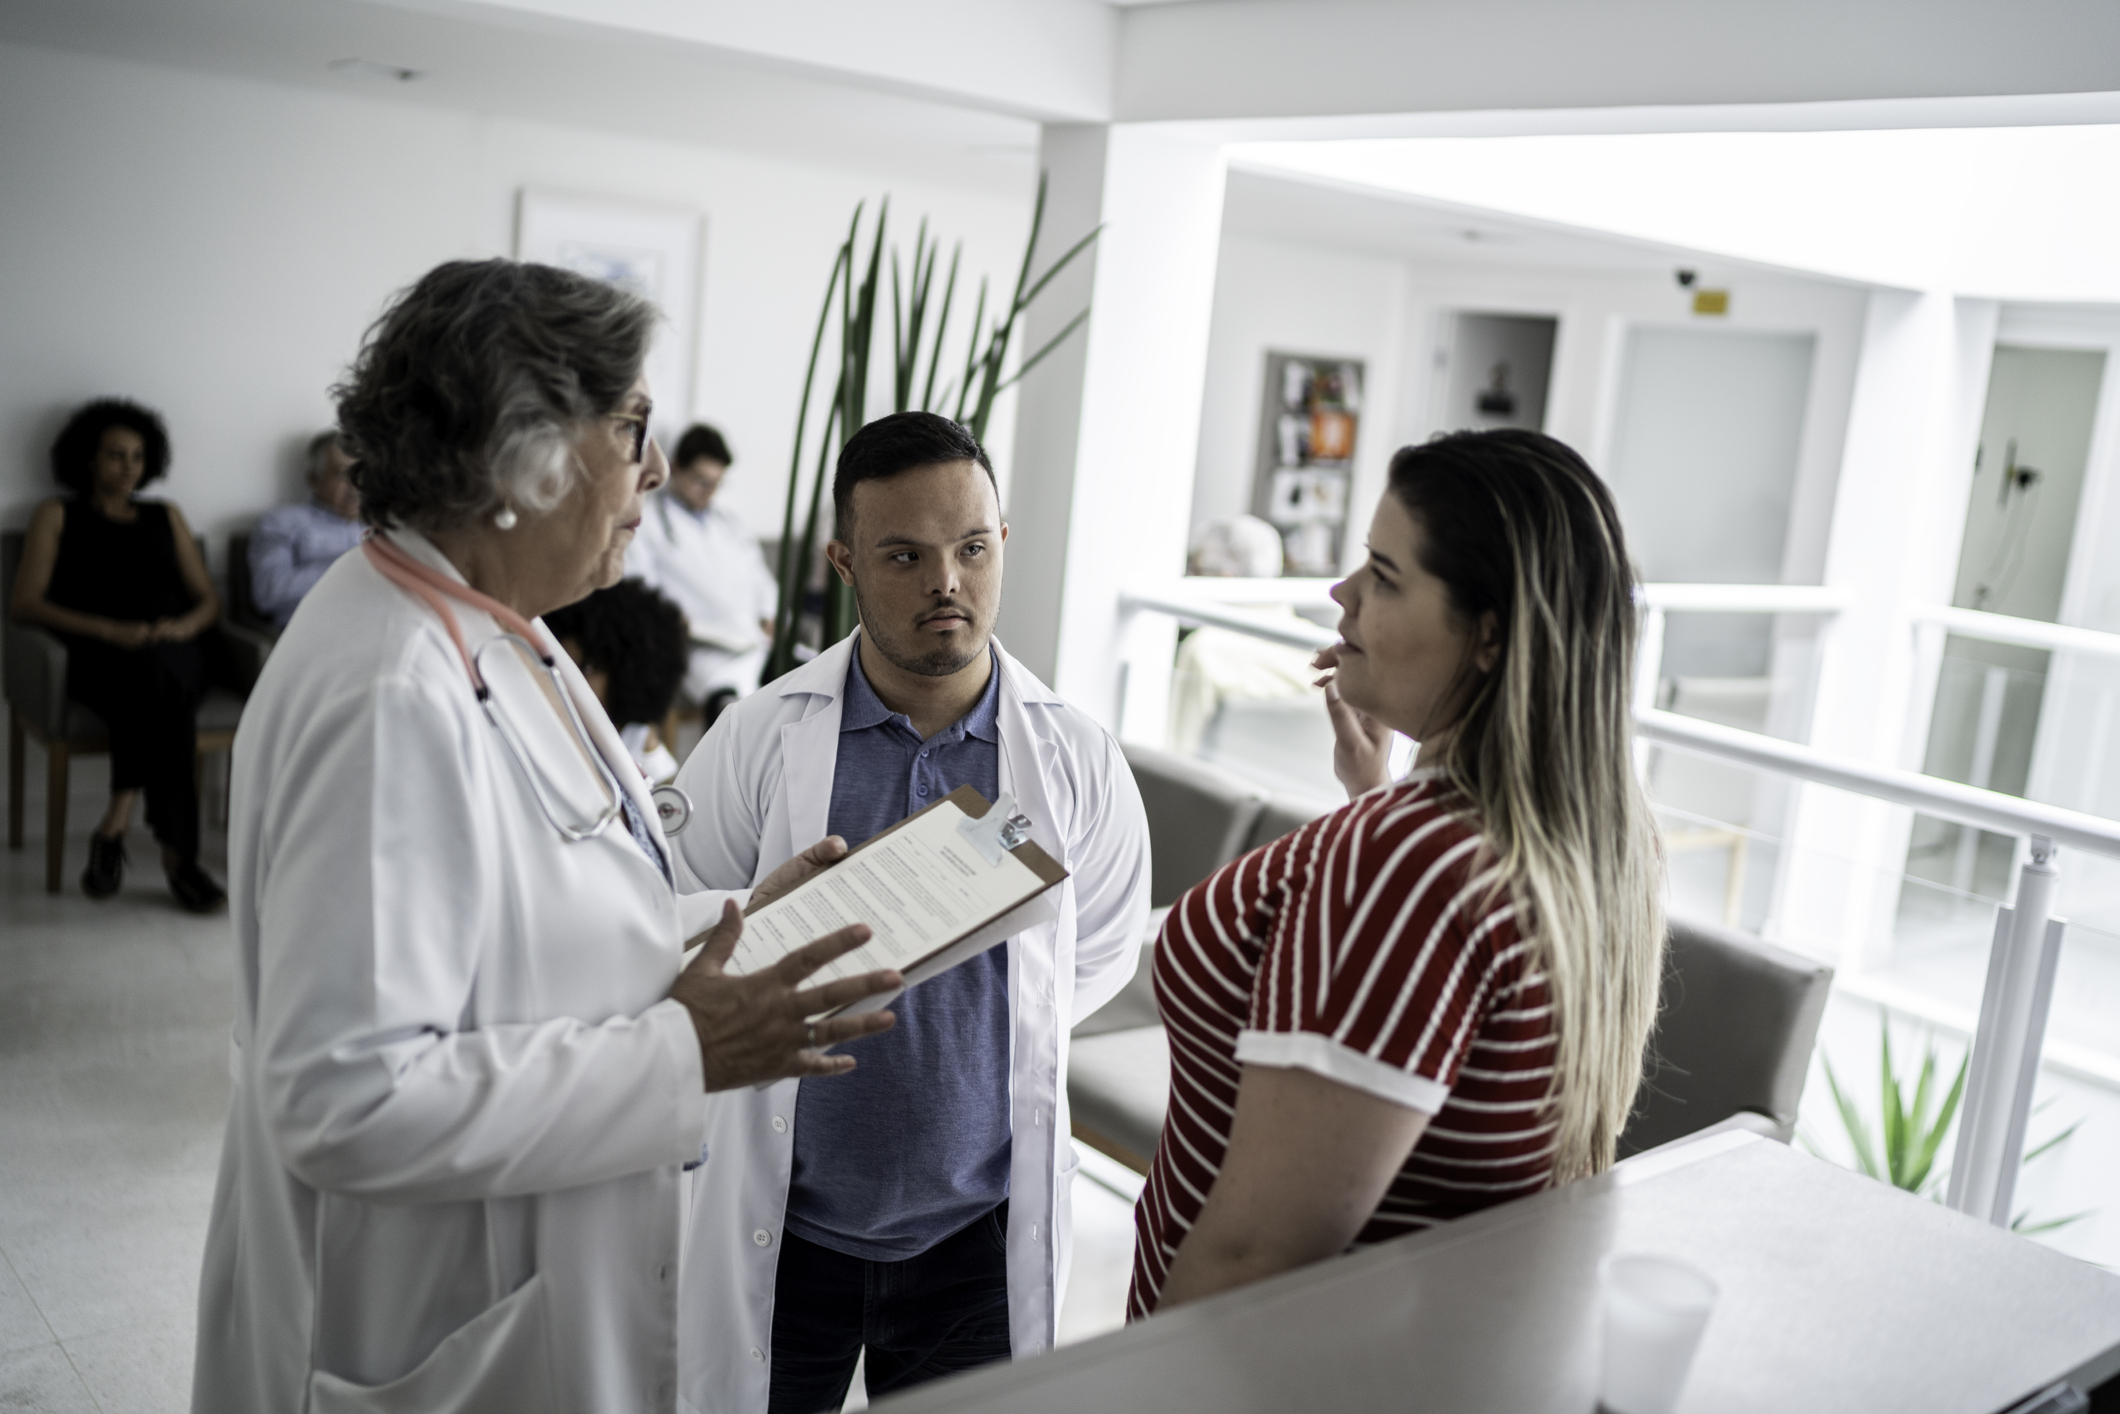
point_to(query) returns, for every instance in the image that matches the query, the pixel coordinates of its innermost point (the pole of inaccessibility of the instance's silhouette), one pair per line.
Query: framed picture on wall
(1309, 418)
(654, 251)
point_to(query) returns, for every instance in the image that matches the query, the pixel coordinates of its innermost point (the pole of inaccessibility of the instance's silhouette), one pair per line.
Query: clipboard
(978, 842)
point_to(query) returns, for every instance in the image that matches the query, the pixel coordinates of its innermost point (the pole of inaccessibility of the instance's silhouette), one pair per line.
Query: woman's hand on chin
(1361, 745)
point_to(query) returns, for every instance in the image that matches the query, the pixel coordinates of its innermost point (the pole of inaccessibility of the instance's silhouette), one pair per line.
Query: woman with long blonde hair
(1436, 998)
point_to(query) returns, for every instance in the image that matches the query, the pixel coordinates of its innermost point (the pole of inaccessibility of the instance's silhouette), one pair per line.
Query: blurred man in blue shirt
(294, 545)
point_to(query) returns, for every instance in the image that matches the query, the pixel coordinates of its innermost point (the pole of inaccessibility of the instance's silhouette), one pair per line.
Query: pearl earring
(506, 519)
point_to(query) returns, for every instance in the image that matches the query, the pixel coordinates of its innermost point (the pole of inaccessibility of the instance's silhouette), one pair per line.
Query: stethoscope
(673, 808)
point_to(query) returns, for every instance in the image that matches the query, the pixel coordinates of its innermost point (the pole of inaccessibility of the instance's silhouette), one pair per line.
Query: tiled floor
(113, 1081)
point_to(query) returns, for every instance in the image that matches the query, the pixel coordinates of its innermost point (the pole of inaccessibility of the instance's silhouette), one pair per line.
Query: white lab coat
(761, 782)
(709, 563)
(460, 1097)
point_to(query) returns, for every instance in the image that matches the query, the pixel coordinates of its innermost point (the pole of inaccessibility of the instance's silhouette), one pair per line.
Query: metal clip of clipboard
(1000, 830)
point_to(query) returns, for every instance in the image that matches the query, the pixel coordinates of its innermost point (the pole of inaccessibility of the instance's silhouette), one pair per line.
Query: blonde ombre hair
(1519, 527)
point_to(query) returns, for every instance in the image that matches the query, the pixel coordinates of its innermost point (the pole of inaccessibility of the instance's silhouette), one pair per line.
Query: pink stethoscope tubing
(435, 590)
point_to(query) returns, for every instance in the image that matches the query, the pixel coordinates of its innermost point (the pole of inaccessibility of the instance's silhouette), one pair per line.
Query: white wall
(1270, 295)
(1275, 293)
(214, 247)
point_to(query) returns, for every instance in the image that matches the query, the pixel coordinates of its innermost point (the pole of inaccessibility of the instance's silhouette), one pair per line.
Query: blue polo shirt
(914, 1145)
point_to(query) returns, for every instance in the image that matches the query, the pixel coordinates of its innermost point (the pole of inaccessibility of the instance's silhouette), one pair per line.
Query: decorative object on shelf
(654, 251)
(967, 394)
(1310, 415)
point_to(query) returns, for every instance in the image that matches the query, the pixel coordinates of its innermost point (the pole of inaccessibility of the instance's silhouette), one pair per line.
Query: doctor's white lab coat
(762, 787)
(450, 1181)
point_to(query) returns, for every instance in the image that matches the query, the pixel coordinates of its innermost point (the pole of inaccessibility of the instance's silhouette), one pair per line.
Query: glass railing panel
(2065, 1194)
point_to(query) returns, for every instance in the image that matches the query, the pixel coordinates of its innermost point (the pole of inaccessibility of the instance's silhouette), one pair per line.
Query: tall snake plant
(967, 392)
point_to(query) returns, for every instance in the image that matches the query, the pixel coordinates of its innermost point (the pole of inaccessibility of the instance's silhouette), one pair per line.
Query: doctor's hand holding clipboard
(748, 1026)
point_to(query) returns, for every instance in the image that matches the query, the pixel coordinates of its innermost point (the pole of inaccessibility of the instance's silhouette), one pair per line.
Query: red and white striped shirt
(1365, 948)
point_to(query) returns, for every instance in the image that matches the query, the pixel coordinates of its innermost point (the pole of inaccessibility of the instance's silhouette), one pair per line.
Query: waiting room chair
(1734, 1034)
(1284, 815)
(243, 611)
(1199, 817)
(38, 709)
(1733, 1039)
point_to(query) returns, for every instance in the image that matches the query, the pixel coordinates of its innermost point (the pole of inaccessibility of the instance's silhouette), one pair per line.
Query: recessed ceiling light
(396, 73)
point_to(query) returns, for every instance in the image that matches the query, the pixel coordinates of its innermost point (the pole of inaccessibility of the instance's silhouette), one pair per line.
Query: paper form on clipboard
(926, 888)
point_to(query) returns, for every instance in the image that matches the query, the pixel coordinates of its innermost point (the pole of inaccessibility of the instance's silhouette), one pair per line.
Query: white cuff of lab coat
(673, 1024)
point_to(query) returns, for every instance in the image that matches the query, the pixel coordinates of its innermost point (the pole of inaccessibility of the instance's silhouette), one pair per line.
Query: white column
(1108, 427)
(1898, 517)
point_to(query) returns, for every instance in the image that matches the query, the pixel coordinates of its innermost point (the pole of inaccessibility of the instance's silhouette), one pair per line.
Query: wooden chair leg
(14, 779)
(55, 775)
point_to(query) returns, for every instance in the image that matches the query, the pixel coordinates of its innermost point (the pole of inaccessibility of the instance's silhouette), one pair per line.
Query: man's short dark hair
(699, 441)
(74, 452)
(638, 638)
(898, 443)
(318, 445)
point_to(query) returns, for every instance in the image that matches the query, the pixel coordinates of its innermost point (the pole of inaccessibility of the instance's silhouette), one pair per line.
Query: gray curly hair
(467, 392)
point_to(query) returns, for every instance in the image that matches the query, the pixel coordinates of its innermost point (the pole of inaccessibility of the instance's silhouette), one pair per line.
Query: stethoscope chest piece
(672, 807)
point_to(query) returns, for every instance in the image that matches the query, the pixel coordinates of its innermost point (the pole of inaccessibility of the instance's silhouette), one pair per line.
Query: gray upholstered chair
(1285, 814)
(242, 611)
(1118, 1086)
(1733, 1039)
(39, 710)
(1734, 1034)
(1199, 817)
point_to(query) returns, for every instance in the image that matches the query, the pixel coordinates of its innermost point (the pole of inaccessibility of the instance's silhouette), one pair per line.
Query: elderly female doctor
(468, 1061)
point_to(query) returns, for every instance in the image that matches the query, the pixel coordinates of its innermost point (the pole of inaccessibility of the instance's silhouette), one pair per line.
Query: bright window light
(2013, 213)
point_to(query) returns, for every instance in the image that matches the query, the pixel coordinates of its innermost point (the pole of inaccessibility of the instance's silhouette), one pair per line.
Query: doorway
(2020, 521)
(1498, 367)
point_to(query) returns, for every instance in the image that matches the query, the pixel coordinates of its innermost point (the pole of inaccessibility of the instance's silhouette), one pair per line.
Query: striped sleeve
(1385, 958)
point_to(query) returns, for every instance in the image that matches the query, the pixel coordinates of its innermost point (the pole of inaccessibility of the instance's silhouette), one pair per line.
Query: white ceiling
(1305, 209)
(610, 80)
(2015, 213)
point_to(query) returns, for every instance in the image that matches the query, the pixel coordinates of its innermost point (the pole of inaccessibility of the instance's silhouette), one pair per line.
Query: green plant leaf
(942, 323)
(1933, 1143)
(2024, 1228)
(1892, 1119)
(2059, 1139)
(1851, 1120)
(787, 607)
(1061, 264)
(1053, 343)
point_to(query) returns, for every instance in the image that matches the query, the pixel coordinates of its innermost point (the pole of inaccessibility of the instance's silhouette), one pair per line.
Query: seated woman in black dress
(121, 581)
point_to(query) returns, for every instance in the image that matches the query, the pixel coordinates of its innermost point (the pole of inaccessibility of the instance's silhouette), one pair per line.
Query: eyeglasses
(639, 424)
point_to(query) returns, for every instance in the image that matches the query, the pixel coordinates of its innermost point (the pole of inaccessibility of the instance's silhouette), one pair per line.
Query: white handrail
(2027, 633)
(1745, 598)
(1197, 609)
(1932, 795)
(1676, 598)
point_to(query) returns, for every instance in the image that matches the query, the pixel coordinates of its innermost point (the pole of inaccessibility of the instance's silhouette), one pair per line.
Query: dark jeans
(149, 699)
(932, 1315)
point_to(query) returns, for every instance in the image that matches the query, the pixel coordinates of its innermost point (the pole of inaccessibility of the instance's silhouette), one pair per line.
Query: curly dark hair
(637, 637)
(74, 452)
(466, 392)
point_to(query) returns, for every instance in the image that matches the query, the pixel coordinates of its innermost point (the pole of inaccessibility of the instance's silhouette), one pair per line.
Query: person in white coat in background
(468, 1061)
(919, 1219)
(698, 551)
